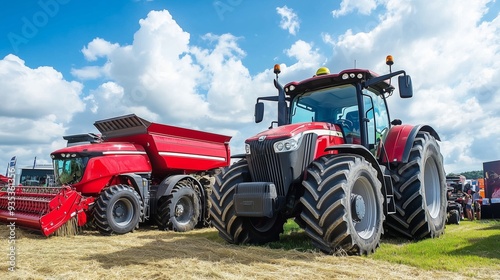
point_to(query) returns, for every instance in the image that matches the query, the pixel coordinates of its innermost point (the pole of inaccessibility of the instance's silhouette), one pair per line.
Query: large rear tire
(343, 205)
(179, 211)
(420, 192)
(234, 229)
(117, 210)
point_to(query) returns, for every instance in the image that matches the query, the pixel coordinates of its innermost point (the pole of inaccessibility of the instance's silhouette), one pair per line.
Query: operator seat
(352, 135)
(354, 118)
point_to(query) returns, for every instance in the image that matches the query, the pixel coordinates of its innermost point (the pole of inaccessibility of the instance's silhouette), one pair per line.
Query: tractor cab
(360, 122)
(353, 100)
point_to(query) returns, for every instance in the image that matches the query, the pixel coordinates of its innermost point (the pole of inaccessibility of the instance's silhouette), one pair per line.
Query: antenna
(355, 64)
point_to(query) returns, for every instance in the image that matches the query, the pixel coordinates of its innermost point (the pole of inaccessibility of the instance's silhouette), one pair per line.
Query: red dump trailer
(134, 171)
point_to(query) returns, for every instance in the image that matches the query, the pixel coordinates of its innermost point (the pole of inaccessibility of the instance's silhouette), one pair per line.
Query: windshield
(69, 171)
(339, 105)
(326, 105)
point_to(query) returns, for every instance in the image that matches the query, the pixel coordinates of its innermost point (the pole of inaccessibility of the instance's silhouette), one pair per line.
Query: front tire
(117, 210)
(343, 205)
(234, 229)
(420, 192)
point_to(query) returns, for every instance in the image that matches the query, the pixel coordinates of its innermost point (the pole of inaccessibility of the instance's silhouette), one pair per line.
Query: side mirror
(259, 112)
(405, 86)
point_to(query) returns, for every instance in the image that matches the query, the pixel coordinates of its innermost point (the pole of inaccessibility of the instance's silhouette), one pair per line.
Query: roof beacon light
(322, 71)
(389, 60)
(277, 69)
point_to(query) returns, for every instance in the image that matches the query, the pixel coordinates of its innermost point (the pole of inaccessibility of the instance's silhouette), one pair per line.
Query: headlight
(288, 145)
(247, 149)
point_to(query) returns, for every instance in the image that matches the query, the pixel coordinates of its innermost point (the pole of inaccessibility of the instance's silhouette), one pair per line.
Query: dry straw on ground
(152, 254)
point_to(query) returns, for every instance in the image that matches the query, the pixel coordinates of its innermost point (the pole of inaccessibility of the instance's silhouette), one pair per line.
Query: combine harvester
(134, 171)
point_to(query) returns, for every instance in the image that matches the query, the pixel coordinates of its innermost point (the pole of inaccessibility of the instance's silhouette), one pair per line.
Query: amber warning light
(389, 60)
(277, 69)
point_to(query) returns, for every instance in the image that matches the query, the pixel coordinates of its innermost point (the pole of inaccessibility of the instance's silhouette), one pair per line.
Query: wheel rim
(184, 210)
(263, 224)
(432, 188)
(123, 211)
(365, 213)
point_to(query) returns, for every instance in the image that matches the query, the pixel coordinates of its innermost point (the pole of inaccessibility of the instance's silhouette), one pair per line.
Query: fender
(141, 186)
(166, 186)
(385, 180)
(399, 142)
(359, 150)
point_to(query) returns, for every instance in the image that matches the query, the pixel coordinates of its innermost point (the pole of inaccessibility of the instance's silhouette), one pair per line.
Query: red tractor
(134, 171)
(338, 165)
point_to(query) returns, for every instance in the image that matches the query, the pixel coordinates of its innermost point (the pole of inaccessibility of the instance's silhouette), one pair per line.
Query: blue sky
(62, 28)
(65, 64)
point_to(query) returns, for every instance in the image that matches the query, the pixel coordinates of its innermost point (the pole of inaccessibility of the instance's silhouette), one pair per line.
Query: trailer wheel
(343, 205)
(117, 210)
(420, 192)
(179, 211)
(454, 217)
(234, 229)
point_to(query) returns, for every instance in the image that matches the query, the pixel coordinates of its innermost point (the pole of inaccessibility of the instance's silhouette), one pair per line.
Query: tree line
(469, 174)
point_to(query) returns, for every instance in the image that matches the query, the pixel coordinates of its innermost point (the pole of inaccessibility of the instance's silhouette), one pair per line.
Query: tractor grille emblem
(262, 138)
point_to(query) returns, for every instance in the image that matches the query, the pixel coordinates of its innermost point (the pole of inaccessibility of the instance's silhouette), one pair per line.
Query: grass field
(466, 251)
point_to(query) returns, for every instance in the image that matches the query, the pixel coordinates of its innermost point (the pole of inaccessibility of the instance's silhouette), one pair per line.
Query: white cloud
(289, 20)
(453, 58)
(87, 73)
(37, 107)
(162, 76)
(306, 56)
(98, 48)
(364, 7)
(37, 93)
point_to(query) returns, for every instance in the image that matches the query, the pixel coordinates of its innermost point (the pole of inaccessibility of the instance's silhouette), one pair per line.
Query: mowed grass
(467, 251)
(472, 248)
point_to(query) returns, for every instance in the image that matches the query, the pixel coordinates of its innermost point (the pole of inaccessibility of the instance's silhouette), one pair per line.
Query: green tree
(469, 174)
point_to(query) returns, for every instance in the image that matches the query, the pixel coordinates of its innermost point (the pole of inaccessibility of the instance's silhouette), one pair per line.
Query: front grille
(265, 165)
(280, 168)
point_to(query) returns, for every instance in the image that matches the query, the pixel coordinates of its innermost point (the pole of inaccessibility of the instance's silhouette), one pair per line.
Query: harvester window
(69, 171)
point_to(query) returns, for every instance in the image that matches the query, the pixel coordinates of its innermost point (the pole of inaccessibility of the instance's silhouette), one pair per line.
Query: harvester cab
(337, 165)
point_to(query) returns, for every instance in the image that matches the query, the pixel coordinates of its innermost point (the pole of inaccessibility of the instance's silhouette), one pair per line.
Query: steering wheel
(346, 123)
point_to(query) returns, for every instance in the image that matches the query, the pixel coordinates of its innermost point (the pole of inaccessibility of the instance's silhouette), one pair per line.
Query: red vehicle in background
(134, 171)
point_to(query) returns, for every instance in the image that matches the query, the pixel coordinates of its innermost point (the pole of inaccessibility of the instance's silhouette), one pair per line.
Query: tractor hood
(291, 130)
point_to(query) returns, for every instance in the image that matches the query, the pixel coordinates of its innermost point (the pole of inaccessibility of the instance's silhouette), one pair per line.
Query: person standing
(477, 205)
(468, 205)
